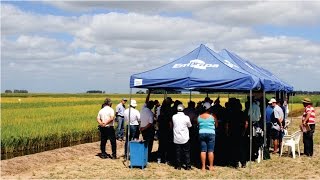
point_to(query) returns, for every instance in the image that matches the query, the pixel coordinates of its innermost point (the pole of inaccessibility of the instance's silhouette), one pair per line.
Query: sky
(76, 46)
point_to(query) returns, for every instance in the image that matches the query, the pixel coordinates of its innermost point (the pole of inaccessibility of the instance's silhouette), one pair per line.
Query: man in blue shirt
(269, 114)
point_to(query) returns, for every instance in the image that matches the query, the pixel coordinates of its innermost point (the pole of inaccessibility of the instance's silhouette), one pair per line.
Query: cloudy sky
(75, 46)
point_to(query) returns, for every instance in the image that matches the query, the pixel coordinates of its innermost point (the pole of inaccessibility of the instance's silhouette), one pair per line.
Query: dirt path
(81, 161)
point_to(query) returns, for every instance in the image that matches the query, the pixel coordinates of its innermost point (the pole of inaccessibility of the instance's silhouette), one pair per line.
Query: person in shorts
(207, 125)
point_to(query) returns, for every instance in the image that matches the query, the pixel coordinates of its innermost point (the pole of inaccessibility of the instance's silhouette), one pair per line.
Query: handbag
(275, 126)
(305, 127)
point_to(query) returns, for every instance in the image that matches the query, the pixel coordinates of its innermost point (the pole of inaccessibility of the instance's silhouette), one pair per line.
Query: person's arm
(100, 121)
(215, 120)
(148, 96)
(189, 123)
(146, 127)
(306, 119)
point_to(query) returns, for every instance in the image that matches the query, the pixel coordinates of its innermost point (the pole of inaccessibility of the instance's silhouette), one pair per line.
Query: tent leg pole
(128, 129)
(250, 154)
(264, 120)
(190, 96)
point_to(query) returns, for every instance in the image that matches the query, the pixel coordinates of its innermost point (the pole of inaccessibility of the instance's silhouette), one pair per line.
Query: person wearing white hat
(181, 123)
(276, 119)
(133, 122)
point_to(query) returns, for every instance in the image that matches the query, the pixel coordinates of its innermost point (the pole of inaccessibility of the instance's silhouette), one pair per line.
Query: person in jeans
(134, 124)
(308, 117)
(120, 118)
(105, 120)
(207, 125)
(181, 123)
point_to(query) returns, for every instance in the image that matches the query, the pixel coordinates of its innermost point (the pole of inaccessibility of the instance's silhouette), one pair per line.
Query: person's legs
(211, 159)
(203, 160)
(178, 156)
(211, 143)
(268, 135)
(312, 126)
(204, 148)
(308, 141)
(120, 128)
(148, 137)
(112, 137)
(104, 138)
(186, 155)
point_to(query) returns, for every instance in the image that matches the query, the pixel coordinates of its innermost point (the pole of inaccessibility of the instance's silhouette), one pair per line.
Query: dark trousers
(134, 134)
(308, 140)
(163, 145)
(268, 134)
(105, 134)
(148, 136)
(183, 150)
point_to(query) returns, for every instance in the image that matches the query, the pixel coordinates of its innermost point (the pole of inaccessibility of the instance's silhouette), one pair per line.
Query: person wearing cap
(120, 118)
(308, 117)
(269, 114)
(105, 120)
(146, 125)
(278, 119)
(181, 123)
(133, 122)
(207, 125)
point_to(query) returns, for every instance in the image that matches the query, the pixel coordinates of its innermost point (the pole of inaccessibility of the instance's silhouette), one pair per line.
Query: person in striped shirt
(308, 117)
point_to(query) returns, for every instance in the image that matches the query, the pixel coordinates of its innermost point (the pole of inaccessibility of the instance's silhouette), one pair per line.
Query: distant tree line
(162, 91)
(308, 92)
(96, 91)
(16, 91)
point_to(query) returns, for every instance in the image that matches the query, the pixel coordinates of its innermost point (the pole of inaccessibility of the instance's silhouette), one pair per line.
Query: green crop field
(33, 121)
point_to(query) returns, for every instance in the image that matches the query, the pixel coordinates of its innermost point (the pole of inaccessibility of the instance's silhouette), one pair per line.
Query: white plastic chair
(287, 122)
(291, 141)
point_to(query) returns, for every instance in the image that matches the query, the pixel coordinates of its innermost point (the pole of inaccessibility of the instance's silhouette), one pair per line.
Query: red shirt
(309, 110)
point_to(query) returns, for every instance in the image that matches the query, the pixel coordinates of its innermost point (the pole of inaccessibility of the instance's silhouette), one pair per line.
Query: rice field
(36, 121)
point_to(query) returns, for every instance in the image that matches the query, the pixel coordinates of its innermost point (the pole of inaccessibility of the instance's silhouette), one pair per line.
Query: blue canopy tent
(200, 69)
(268, 82)
(286, 86)
(203, 70)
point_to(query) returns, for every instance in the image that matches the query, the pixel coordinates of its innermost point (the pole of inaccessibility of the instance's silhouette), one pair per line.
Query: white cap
(272, 100)
(133, 103)
(206, 105)
(180, 107)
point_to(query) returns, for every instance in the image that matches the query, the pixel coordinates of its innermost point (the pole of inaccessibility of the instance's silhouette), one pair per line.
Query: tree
(7, 91)
(140, 92)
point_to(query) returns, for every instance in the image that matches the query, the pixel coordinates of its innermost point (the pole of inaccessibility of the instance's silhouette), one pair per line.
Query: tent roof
(269, 81)
(198, 70)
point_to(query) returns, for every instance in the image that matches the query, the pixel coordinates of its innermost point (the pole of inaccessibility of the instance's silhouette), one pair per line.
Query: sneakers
(114, 157)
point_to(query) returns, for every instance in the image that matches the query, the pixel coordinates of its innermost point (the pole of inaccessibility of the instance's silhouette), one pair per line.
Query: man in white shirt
(181, 123)
(134, 119)
(146, 126)
(278, 118)
(120, 118)
(105, 120)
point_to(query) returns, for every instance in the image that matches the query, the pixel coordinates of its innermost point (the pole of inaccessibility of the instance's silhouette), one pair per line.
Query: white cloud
(107, 48)
(228, 12)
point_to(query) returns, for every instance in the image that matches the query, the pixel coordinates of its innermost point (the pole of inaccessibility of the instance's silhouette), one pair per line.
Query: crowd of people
(200, 134)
